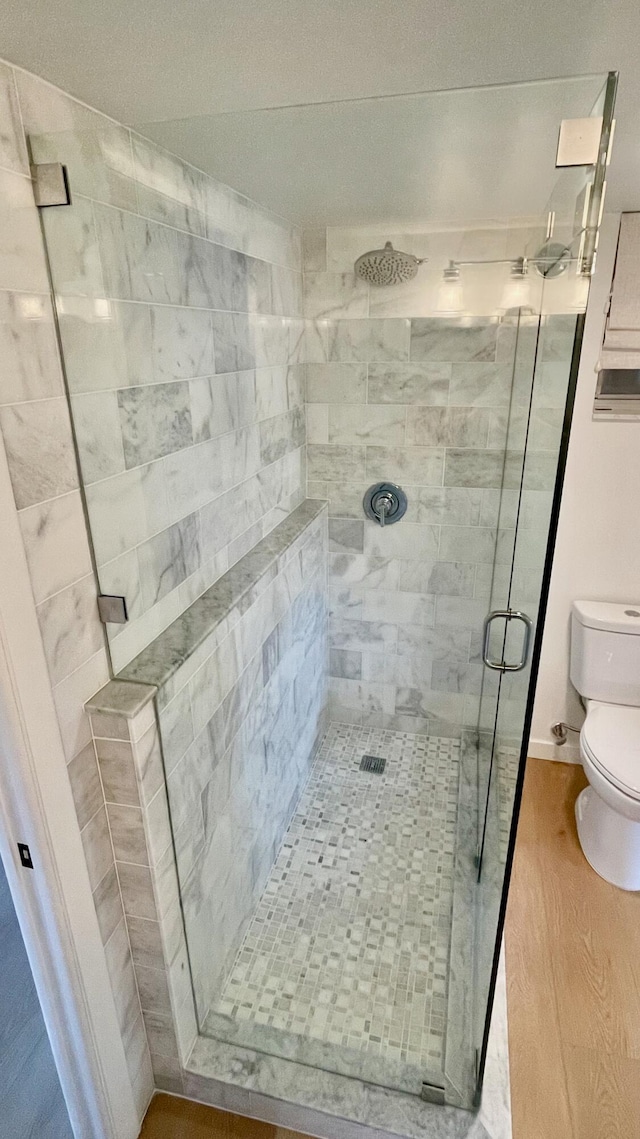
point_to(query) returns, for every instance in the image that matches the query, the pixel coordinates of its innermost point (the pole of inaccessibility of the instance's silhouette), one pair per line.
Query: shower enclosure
(343, 706)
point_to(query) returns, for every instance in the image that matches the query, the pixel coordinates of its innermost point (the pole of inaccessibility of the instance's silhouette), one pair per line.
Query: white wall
(598, 545)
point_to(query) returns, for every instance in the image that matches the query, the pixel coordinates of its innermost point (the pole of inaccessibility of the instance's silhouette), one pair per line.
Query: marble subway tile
(336, 383)
(168, 189)
(368, 340)
(317, 423)
(117, 769)
(401, 540)
(346, 536)
(182, 343)
(148, 759)
(480, 385)
(55, 542)
(418, 466)
(98, 432)
(341, 463)
(137, 891)
(39, 448)
(108, 903)
(155, 421)
(127, 834)
(28, 349)
(85, 784)
(106, 343)
(70, 696)
(346, 663)
(453, 579)
(70, 627)
(469, 467)
(449, 505)
(126, 510)
(96, 842)
(22, 263)
(139, 258)
(448, 427)
(328, 295)
(123, 980)
(409, 383)
(375, 423)
(474, 544)
(233, 342)
(220, 404)
(452, 341)
(74, 254)
(168, 558)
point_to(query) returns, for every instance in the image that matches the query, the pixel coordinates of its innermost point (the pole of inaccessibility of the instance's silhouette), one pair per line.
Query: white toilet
(605, 669)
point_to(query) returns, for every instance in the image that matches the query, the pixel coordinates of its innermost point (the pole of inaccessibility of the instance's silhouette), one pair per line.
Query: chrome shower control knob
(385, 503)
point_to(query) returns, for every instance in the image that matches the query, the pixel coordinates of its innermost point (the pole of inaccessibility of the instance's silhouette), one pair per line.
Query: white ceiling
(451, 158)
(145, 60)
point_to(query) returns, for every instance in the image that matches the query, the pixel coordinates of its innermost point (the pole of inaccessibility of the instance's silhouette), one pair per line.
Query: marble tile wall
(431, 403)
(127, 744)
(35, 432)
(239, 727)
(180, 308)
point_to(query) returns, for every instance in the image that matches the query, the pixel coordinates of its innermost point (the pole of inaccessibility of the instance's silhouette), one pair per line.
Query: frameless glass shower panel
(229, 374)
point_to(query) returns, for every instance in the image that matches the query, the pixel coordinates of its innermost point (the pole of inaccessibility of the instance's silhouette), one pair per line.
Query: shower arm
(530, 260)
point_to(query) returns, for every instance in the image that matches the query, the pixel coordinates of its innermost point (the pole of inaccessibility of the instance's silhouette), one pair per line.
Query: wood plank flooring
(573, 988)
(573, 977)
(172, 1118)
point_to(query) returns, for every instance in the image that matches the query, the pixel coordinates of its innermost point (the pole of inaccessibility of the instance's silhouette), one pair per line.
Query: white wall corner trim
(53, 902)
(597, 550)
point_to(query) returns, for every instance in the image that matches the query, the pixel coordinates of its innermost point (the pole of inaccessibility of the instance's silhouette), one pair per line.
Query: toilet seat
(610, 738)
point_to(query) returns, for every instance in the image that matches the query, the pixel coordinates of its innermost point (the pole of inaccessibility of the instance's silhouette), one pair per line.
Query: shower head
(387, 266)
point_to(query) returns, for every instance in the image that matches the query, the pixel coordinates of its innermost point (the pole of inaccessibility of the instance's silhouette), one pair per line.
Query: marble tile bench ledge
(231, 593)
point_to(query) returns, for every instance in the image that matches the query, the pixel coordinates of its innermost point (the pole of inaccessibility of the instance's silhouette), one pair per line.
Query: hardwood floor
(573, 990)
(171, 1118)
(573, 977)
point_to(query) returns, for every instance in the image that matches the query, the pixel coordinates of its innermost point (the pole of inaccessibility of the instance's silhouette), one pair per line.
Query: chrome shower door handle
(507, 615)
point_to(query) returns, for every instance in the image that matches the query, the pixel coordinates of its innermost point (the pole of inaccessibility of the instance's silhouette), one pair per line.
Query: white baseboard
(547, 749)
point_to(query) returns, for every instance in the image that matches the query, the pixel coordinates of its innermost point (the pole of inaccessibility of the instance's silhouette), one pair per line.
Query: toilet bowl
(608, 810)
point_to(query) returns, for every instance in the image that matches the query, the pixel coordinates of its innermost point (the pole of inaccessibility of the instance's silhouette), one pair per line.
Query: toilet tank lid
(613, 617)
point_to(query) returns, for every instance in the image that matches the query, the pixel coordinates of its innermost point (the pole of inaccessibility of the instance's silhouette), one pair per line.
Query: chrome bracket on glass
(507, 615)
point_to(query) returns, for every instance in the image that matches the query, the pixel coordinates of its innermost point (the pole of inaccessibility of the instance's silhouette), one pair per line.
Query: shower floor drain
(373, 763)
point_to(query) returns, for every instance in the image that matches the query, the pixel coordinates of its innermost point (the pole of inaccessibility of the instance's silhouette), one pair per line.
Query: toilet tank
(605, 651)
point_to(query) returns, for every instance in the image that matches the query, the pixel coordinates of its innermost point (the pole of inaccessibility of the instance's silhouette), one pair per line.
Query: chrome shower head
(387, 266)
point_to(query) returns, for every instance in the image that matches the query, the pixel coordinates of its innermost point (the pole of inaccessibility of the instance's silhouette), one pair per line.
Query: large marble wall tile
(409, 383)
(70, 627)
(450, 340)
(74, 254)
(469, 467)
(374, 423)
(55, 541)
(368, 340)
(29, 366)
(168, 558)
(224, 403)
(96, 842)
(85, 784)
(448, 427)
(233, 341)
(155, 420)
(106, 343)
(39, 448)
(22, 266)
(336, 383)
(96, 419)
(168, 190)
(126, 510)
(139, 257)
(479, 384)
(421, 466)
(334, 295)
(182, 342)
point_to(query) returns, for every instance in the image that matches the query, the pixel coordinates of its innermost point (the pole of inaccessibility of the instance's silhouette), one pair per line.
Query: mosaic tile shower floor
(349, 943)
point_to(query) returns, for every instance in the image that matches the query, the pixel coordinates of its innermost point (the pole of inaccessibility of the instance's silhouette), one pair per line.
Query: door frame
(53, 901)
